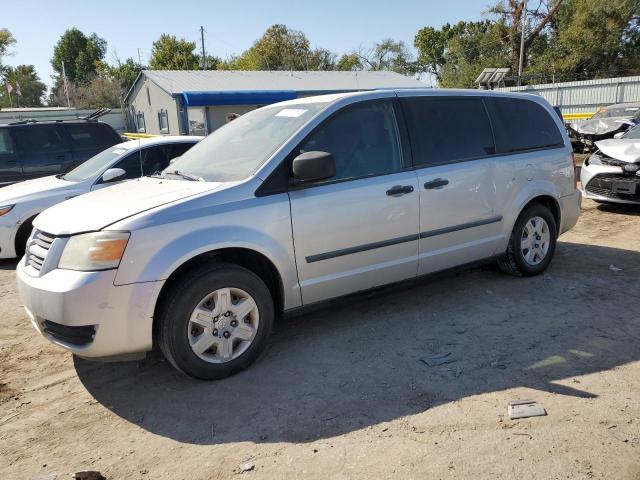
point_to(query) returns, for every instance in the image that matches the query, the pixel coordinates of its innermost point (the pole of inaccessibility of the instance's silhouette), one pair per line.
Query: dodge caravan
(294, 204)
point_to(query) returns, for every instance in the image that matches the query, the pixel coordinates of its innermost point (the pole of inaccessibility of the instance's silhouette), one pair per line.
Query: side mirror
(313, 166)
(112, 174)
(619, 135)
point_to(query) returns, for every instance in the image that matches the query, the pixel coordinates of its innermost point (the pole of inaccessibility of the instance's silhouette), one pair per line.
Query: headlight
(594, 160)
(6, 209)
(94, 251)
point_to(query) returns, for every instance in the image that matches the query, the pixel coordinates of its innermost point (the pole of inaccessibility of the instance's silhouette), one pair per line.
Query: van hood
(35, 189)
(101, 208)
(624, 149)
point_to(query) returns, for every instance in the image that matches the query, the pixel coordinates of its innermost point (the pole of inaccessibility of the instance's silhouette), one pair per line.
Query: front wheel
(215, 321)
(532, 242)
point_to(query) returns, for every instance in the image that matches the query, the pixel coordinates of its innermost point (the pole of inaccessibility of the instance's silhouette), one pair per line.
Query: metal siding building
(193, 102)
(585, 96)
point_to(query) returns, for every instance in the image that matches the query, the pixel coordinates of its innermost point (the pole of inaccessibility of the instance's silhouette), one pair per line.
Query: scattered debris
(438, 359)
(245, 467)
(460, 330)
(499, 364)
(614, 269)
(488, 292)
(88, 475)
(525, 409)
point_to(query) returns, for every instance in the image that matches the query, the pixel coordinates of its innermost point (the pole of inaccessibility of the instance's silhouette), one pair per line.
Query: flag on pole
(18, 92)
(65, 85)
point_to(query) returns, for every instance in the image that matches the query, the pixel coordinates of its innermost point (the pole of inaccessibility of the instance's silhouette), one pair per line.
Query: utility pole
(524, 23)
(204, 56)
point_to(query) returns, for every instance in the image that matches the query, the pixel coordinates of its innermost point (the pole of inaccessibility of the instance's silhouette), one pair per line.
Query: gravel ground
(343, 392)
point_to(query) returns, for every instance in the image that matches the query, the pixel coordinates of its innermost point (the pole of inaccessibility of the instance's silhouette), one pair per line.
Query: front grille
(602, 185)
(74, 335)
(38, 249)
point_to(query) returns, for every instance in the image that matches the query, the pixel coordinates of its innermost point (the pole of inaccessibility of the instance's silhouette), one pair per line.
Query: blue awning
(240, 97)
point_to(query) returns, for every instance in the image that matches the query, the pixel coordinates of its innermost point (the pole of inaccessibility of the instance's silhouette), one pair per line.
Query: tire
(518, 260)
(22, 237)
(182, 330)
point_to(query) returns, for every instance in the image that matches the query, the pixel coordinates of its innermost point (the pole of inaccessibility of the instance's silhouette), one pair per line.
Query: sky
(230, 26)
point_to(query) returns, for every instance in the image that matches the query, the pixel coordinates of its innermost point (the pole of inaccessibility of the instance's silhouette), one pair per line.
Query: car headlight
(5, 209)
(94, 251)
(594, 160)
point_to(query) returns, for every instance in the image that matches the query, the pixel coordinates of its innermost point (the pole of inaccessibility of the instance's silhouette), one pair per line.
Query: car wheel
(215, 321)
(532, 242)
(22, 237)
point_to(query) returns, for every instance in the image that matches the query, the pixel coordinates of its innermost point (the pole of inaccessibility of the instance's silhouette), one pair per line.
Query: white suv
(294, 204)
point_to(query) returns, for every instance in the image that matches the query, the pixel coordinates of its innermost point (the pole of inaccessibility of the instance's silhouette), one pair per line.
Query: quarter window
(521, 125)
(38, 139)
(445, 130)
(362, 138)
(89, 135)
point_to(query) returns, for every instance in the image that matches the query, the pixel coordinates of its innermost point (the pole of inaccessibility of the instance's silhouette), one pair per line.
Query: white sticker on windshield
(118, 151)
(291, 112)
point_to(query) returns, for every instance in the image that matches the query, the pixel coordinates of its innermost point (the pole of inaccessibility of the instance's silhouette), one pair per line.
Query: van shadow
(359, 364)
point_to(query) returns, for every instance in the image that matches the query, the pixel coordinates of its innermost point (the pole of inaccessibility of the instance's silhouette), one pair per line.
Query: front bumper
(85, 313)
(598, 184)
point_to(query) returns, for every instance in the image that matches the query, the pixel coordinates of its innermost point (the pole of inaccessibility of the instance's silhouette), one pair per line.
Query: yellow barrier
(577, 116)
(135, 136)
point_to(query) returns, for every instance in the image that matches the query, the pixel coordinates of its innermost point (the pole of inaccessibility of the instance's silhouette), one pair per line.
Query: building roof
(176, 82)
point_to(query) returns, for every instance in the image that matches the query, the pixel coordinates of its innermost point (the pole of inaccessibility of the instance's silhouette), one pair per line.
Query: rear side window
(89, 135)
(445, 129)
(520, 125)
(38, 139)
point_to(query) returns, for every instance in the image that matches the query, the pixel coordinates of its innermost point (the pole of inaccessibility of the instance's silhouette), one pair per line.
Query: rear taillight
(575, 171)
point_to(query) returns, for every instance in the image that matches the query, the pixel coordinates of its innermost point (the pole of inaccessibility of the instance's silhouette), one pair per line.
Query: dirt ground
(343, 393)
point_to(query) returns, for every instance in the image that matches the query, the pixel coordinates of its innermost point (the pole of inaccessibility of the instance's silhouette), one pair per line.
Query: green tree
(6, 41)
(281, 48)
(349, 62)
(456, 54)
(591, 39)
(386, 55)
(125, 73)
(171, 53)
(28, 90)
(80, 55)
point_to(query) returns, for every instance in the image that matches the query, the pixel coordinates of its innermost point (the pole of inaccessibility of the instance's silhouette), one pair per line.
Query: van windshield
(236, 150)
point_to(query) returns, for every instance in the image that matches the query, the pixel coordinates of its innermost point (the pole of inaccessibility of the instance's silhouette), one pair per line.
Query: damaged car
(605, 124)
(612, 173)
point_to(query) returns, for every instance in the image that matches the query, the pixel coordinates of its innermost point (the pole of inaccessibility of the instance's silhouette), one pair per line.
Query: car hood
(623, 149)
(101, 208)
(600, 126)
(35, 189)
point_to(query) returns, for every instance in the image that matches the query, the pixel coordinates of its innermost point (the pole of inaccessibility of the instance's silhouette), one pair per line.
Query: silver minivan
(292, 205)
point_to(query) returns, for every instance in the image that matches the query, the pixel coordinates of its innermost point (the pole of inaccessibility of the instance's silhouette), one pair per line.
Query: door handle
(398, 190)
(437, 183)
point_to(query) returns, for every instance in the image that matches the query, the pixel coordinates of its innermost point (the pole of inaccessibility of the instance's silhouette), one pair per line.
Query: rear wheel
(532, 242)
(216, 321)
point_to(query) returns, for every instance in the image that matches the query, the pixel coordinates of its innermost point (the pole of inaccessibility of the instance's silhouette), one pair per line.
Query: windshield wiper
(186, 176)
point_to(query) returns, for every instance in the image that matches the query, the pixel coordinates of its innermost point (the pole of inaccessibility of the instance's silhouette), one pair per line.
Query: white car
(20, 203)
